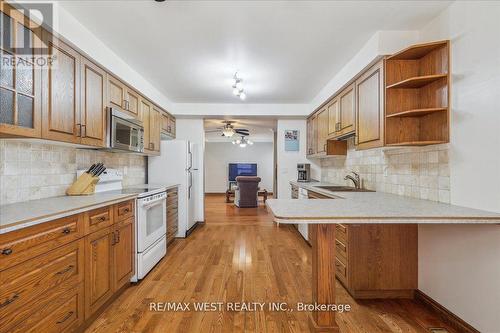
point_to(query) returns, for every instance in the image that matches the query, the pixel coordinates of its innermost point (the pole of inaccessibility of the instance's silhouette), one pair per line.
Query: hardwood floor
(239, 255)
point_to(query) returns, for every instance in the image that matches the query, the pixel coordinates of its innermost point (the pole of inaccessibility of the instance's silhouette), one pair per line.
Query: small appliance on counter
(86, 180)
(304, 172)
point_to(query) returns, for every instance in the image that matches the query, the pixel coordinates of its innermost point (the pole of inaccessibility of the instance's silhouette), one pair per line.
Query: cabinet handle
(65, 318)
(324, 147)
(118, 235)
(83, 131)
(126, 210)
(151, 146)
(66, 231)
(9, 300)
(7, 252)
(113, 241)
(102, 219)
(79, 129)
(70, 267)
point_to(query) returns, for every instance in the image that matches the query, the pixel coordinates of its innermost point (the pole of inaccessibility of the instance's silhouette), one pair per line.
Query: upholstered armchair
(246, 192)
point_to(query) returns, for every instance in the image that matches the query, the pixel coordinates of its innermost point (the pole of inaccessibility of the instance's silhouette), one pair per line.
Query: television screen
(241, 169)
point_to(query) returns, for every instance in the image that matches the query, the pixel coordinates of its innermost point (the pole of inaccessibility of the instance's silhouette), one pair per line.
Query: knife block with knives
(85, 184)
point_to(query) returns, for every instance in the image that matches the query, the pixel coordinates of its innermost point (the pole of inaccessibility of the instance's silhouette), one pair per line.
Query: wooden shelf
(417, 51)
(416, 112)
(417, 82)
(416, 143)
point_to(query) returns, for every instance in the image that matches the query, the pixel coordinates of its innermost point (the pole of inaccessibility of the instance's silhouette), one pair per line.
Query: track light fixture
(238, 87)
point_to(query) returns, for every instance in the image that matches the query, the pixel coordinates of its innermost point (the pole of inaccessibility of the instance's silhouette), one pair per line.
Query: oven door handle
(154, 203)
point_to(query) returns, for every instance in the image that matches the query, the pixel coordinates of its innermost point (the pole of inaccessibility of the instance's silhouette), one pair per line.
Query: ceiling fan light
(243, 144)
(228, 131)
(250, 142)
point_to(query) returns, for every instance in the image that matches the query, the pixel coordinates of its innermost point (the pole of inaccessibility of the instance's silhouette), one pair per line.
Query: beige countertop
(371, 207)
(24, 214)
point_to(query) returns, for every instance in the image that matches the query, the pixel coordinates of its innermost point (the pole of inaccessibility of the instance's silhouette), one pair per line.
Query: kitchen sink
(343, 189)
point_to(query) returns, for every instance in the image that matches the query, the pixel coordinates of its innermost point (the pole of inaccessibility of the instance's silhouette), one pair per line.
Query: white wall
(459, 266)
(193, 130)
(287, 160)
(241, 109)
(219, 154)
(380, 44)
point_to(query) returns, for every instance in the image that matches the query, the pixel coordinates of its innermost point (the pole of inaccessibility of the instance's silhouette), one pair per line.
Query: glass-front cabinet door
(20, 75)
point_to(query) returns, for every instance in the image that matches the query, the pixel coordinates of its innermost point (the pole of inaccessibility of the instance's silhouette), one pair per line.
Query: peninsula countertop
(27, 213)
(371, 207)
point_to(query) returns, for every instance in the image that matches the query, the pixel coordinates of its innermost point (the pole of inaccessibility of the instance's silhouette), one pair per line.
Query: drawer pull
(10, 300)
(65, 318)
(126, 210)
(66, 231)
(102, 219)
(70, 267)
(6, 252)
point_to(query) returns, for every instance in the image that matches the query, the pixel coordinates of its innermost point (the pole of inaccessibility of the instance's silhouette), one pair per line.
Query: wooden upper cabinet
(20, 80)
(155, 129)
(93, 112)
(61, 93)
(132, 101)
(333, 115)
(167, 124)
(370, 108)
(347, 111)
(322, 129)
(151, 119)
(116, 93)
(312, 135)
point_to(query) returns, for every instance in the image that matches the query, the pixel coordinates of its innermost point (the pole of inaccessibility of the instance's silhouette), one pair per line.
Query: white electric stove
(151, 219)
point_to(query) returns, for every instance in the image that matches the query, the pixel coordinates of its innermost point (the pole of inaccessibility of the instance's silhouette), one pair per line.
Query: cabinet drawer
(99, 218)
(21, 245)
(59, 316)
(37, 281)
(341, 249)
(340, 270)
(124, 210)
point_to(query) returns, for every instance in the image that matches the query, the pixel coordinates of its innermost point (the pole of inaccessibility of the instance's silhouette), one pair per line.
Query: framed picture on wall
(292, 138)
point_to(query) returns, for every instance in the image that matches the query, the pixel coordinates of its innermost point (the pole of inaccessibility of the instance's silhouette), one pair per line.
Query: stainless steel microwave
(125, 133)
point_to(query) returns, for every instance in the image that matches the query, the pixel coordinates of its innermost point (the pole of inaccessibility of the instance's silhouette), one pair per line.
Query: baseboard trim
(450, 318)
(190, 231)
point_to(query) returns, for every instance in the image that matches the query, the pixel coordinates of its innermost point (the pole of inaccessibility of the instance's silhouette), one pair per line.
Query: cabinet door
(309, 136)
(155, 129)
(93, 114)
(314, 134)
(123, 249)
(116, 93)
(98, 269)
(146, 122)
(370, 108)
(20, 80)
(347, 110)
(165, 123)
(61, 97)
(172, 126)
(132, 101)
(322, 129)
(333, 110)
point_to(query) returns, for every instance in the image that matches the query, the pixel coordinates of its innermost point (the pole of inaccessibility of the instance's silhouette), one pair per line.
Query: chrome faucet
(356, 179)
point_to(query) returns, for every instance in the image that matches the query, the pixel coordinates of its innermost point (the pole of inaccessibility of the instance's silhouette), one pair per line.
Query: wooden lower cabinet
(172, 214)
(98, 269)
(123, 253)
(375, 261)
(58, 274)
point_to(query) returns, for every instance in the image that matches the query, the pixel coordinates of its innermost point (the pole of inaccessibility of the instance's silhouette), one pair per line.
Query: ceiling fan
(229, 130)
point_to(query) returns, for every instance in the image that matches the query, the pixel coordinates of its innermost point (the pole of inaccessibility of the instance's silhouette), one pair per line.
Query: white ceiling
(260, 129)
(286, 51)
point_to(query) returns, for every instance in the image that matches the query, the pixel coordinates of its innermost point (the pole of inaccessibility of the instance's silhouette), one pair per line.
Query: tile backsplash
(418, 172)
(33, 170)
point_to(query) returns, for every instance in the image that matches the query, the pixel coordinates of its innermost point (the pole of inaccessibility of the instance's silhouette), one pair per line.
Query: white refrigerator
(178, 164)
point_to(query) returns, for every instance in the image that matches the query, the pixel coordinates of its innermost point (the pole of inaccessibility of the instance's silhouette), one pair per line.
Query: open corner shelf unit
(417, 82)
